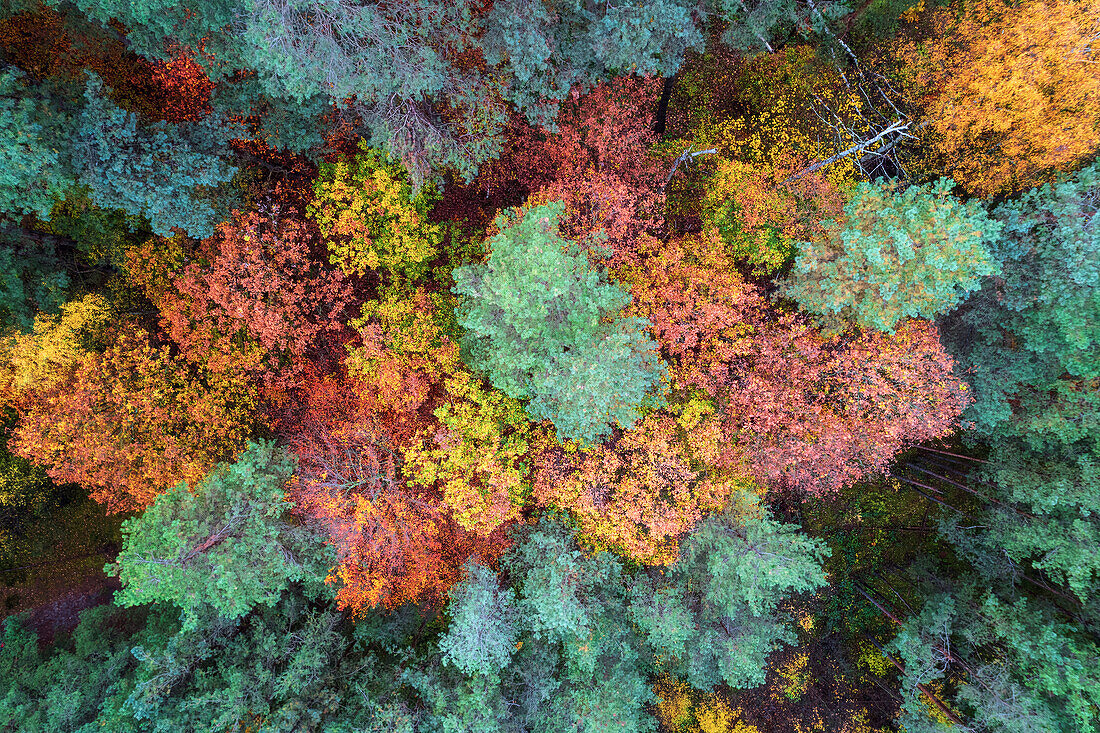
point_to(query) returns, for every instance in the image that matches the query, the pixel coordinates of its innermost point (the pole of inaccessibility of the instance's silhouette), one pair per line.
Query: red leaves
(799, 409)
(253, 298)
(597, 162)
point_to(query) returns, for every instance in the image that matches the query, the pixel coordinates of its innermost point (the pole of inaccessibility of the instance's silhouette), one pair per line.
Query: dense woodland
(724, 366)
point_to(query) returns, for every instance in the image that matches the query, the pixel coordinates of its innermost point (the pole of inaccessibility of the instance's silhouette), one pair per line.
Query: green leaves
(897, 254)
(541, 322)
(716, 618)
(223, 545)
(482, 633)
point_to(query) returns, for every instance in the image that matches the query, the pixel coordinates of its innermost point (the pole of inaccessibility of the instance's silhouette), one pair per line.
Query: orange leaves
(636, 494)
(395, 541)
(597, 162)
(1012, 91)
(252, 298)
(133, 421)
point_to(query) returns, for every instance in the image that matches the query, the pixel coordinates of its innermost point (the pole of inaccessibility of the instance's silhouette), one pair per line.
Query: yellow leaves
(684, 710)
(371, 220)
(56, 345)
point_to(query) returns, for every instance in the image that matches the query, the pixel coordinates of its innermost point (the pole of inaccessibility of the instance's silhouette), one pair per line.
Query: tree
(253, 298)
(1010, 89)
(761, 216)
(636, 495)
(1013, 664)
(223, 544)
(544, 49)
(132, 421)
(597, 162)
(538, 321)
(1027, 343)
(371, 219)
(915, 253)
(394, 540)
(773, 394)
(714, 615)
(160, 171)
(477, 455)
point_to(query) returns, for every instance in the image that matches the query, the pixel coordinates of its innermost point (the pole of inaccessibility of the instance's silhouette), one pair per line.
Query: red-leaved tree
(793, 406)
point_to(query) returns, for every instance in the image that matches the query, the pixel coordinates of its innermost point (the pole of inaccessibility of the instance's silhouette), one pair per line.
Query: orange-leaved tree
(131, 421)
(1009, 90)
(635, 494)
(254, 297)
(395, 541)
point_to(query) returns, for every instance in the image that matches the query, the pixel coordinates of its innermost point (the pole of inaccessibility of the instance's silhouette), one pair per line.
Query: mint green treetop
(543, 324)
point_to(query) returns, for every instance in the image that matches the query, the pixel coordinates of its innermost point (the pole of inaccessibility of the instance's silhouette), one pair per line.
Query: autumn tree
(252, 298)
(372, 220)
(538, 321)
(776, 396)
(128, 422)
(597, 162)
(895, 254)
(395, 541)
(477, 455)
(408, 344)
(760, 215)
(1012, 95)
(637, 494)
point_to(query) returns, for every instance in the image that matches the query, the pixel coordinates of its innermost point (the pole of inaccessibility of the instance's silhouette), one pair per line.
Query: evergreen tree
(896, 254)
(541, 322)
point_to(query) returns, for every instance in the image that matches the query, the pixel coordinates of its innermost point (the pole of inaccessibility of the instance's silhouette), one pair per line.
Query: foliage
(223, 544)
(635, 495)
(132, 421)
(540, 322)
(1009, 90)
(597, 162)
(477, 455)
(252, 298)
(896, 254)
(548, 49)
(1027, 342)
(796, 407)
(1014, 665)
(371, 219)
(408, 345)
(715, 615)
(759, 216)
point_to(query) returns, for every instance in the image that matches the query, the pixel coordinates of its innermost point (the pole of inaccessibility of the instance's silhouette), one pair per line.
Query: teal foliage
(546, 48)
(483, 624)
(32, 280)
(577, 663)
(159, 171)
(541, 322)
(1015, 665)
(63, 688)
(756, 26)
(34, 170)
(1029, 344)
(165, 173)
(715, 615)
(224, 545)
(897, 253)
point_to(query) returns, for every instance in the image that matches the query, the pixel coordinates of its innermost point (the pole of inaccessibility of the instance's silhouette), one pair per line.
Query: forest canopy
(433, 366)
